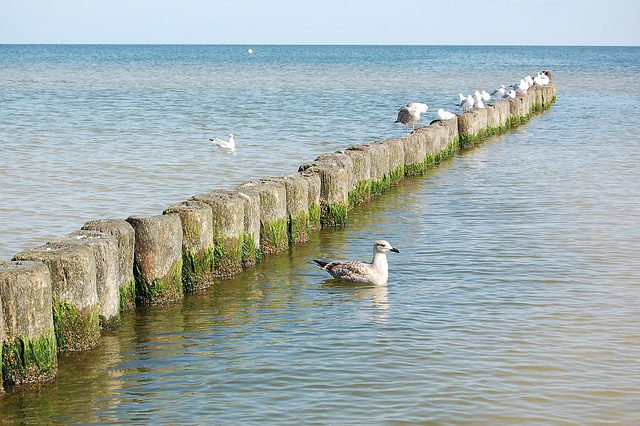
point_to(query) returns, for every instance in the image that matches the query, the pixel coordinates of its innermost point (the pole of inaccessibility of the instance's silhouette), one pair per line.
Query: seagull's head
(231, 136)
(382, 246)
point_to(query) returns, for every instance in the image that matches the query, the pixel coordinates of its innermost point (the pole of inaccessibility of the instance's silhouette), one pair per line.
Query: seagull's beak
(395, 250)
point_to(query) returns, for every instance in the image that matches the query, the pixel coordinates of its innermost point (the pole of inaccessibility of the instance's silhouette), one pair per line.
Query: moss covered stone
(124, 234)
(361, 186)
(30, 360)
(28, 346)
(72, 269)
(228, 226)
(270, 196)
(158, 258)
(77, 329)
(297, 205)
(105, 251)
(334, 191)
(198, 260)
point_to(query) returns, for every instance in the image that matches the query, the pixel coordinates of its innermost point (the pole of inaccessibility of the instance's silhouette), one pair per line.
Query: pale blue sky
(538, 22)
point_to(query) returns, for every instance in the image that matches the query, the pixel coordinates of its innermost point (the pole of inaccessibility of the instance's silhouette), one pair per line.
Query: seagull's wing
(357, 272)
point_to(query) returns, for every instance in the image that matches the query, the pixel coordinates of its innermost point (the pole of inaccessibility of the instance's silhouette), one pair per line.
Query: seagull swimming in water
(445, 115)
(410, 114)
(375, 273)
(230, 144)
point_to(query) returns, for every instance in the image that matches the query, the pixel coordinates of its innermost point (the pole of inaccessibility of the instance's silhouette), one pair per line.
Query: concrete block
(105, 252)
(124, 234)
(72, 269)
(198, 264)
(297, 205)
(271, 199)
(27, 334)
(157, 258)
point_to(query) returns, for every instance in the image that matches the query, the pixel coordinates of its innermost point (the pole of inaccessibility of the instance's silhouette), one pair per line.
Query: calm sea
(515, 298)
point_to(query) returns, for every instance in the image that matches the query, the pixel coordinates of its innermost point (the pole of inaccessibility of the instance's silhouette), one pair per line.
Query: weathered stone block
(536, 98)
(361, 160)
(548, 95)
(472, 125)
(314, 187)
(105, 252)
(228, 230)
(72, 268)
(198, 263)
(493, 118)
(158, 258)
(271, 198)
(415, 151)
(124, 234)
(395, 153)
(335, 186)
(297, 205)
(27, 334)
(504, 113)
(517, 110)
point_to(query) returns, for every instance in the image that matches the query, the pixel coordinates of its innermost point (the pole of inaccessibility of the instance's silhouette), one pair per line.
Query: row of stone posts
(57, 297)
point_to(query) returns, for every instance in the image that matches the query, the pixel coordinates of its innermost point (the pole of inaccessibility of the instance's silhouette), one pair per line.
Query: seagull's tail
(321, 263)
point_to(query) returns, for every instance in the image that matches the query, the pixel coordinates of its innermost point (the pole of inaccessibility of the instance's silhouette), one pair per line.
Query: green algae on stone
(158, 258)
(26, 361)
(76, 329)
(128, 295)
(162, 289)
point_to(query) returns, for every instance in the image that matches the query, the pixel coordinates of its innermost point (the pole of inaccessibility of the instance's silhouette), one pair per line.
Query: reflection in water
(378, 295)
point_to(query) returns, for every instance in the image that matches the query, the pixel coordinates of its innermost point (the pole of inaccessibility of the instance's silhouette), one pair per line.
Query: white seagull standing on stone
(375, 273)
(499, 92)
(410, 114)
(485, 96)
(445, 115)
(230, 144)
(477, 96)
(466, 103)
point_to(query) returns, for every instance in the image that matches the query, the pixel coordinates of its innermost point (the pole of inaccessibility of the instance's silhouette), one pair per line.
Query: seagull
(510, 94)
(230, 144)
(375, 273)
(466, 103)
(499, 92)
(521, 87)
(445, 115)
(477, 96)
(541, 79)
(410, 114)
(485, 96)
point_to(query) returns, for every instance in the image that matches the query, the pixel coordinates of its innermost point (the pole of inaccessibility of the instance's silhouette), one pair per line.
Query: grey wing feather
(349, 271)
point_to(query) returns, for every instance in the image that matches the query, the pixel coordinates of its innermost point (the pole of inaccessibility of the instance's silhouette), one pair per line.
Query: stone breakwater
(58, 297)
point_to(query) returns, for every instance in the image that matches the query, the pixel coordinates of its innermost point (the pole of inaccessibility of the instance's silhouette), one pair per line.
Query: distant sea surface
(515, 298)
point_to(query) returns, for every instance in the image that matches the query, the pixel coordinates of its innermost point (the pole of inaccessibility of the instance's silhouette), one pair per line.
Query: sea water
(514, 298)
